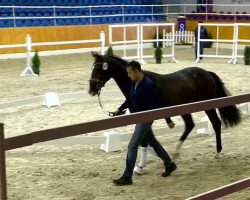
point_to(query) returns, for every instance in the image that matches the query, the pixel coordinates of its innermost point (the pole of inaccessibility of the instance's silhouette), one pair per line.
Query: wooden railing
(77, 129)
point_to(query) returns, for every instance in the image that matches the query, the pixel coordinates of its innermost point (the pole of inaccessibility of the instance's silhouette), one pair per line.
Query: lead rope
(100, 103)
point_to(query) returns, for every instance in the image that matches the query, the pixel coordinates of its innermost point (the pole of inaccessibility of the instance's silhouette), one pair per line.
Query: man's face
(133, 74)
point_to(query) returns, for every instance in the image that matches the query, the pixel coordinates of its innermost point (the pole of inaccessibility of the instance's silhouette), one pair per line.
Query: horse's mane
(116, 59)
(120, 61)
(151, 74)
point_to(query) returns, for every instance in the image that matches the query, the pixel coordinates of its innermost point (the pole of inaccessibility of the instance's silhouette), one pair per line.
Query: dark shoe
(169, 169)
(123, 181)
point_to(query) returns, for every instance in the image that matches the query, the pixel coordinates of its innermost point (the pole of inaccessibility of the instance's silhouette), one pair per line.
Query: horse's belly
(188, 95)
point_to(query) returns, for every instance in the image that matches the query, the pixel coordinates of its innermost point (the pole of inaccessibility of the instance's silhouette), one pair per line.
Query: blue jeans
(143, 131)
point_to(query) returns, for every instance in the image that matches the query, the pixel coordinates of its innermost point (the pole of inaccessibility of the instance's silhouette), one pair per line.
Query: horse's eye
(96, 66)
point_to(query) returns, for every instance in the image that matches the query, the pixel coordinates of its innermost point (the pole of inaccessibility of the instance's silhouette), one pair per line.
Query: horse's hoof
(217, 155)
(138, 170)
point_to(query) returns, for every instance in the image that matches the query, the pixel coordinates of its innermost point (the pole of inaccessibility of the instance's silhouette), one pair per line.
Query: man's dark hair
(134, 65)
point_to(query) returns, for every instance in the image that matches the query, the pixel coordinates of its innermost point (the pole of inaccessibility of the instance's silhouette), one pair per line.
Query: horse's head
(100, 74)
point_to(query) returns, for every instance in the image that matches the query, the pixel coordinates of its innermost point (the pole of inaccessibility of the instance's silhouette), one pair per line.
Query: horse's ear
(96, 56)
(94, 53)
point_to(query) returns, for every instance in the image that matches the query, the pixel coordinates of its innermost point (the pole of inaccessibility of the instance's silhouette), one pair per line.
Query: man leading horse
(143, 96)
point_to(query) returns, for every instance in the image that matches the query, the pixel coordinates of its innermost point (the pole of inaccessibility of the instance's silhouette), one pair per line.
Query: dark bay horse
(184, 86)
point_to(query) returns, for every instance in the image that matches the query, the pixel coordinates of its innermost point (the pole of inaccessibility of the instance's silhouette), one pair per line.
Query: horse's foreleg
(144, 159)
(189, 125)
(143, 162)
(215, 120)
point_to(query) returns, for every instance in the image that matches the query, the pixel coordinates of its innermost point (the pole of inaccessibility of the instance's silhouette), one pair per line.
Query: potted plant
(158, 54)
(247, 55)
(110, 51)
(36, 63)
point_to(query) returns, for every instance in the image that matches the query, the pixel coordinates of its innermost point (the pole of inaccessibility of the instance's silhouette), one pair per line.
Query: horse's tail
(230, 115)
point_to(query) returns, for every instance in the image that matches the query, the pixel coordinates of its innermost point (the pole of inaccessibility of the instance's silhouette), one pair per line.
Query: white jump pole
(28, 70)
(217, 43)
(124, 41)
(236, 37)
(173, 44)
(233, 46)
(102, 38)
(198, 44)
(157, 36)
(164, 44)
(140, 37)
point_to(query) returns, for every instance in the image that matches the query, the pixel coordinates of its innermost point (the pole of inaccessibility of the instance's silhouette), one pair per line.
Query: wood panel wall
(63, 33)
(224, 32)
(68, 33)
(51, 34)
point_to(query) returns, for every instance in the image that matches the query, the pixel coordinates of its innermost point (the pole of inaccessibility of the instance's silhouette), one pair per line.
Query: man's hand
(117, 113)
(171, 125)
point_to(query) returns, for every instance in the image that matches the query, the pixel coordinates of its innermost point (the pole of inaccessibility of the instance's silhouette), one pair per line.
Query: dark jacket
(203, 33)
(143, 97)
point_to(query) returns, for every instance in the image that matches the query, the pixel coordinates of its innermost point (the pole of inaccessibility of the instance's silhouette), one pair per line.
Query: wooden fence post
(3, 182)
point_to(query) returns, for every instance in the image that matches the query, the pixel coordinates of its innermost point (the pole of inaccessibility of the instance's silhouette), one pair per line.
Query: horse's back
(187, 85)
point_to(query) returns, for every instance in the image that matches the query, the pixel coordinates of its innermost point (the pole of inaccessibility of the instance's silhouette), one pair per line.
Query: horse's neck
(123, 82)
(154, 76)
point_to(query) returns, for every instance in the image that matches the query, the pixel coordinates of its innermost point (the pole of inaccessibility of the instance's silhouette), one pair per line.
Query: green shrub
(36, 64)
(247, 52)
(110, 51)
(158, 54)
(247, 55)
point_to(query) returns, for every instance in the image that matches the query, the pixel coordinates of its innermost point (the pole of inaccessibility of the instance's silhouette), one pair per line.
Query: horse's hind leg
(189, 125)
(212, 115)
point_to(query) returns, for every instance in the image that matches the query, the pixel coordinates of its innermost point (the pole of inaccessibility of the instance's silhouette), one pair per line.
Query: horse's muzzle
(95, 86)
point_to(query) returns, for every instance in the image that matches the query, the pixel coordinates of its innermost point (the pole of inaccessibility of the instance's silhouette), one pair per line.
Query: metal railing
(148, 12)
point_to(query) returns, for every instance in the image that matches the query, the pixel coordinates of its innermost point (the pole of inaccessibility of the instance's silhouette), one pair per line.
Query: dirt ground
(85, 172)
